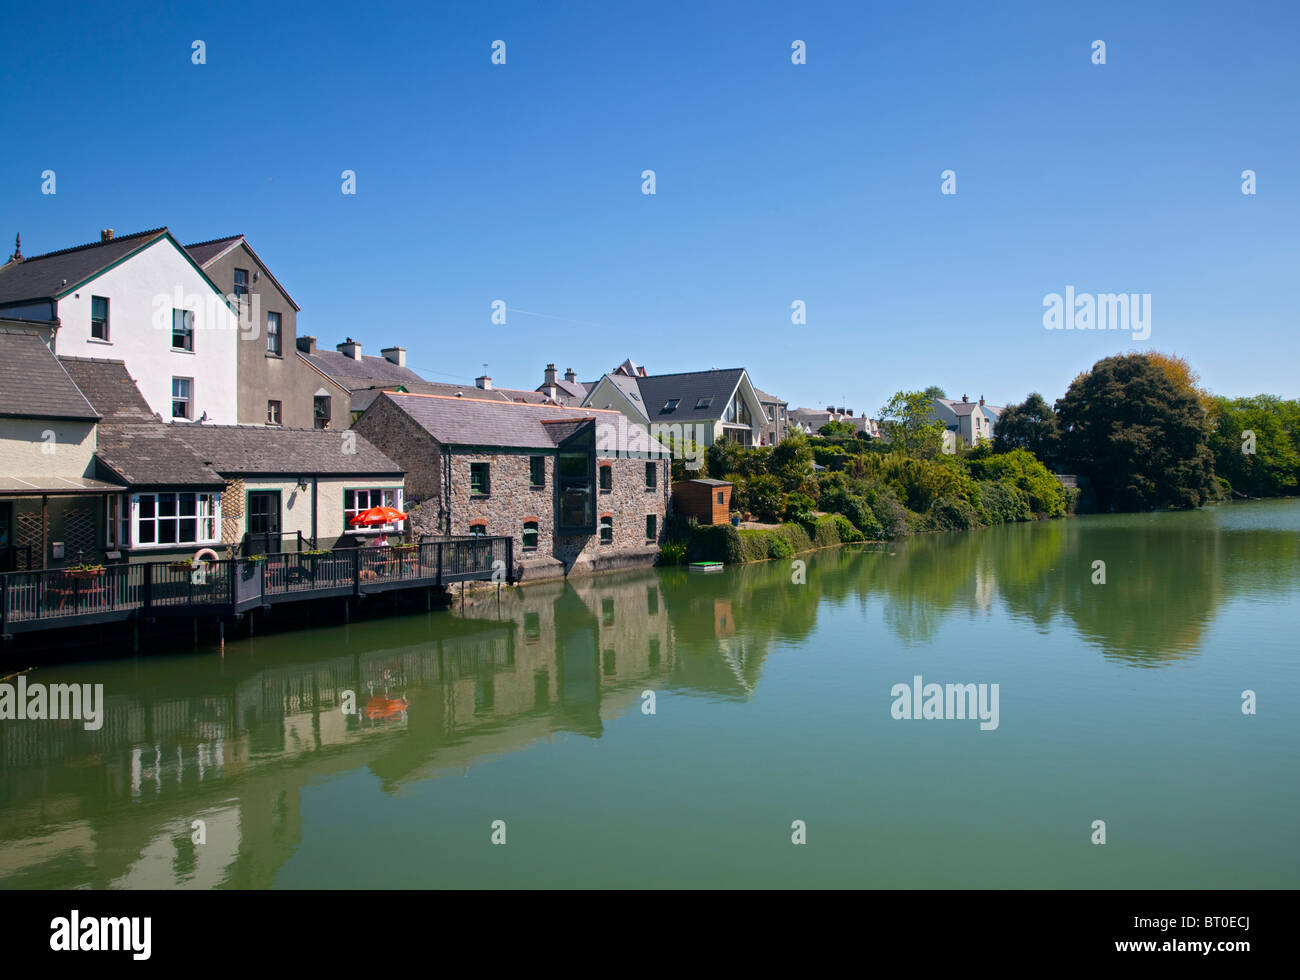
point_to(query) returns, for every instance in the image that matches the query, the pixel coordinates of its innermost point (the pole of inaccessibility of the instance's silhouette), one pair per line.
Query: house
(578, 489)
(141, 299)
(276, 385)
(52, 503)
(969, 421)
(776, 411)
(704, 406)
(708, 501)
(811, 420)
(564, 391)
(235, 489)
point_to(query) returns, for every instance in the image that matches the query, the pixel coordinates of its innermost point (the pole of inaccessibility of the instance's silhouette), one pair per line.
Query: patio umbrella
(376, 516)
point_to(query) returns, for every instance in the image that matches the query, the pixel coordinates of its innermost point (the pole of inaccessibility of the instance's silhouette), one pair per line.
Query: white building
(142, 300)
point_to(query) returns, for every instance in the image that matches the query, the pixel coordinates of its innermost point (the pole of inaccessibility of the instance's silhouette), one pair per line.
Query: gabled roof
(657, 390)
(205, 253)
(764, 397)
(959, 408)
(505, 425)
(51, 275)
(33, 384)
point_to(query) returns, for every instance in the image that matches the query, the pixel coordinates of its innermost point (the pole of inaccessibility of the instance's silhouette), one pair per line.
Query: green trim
(134, 252)
(279, 494)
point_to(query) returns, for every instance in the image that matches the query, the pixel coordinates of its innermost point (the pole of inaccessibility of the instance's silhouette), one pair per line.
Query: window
(182, 330)
(480, 484)
(273, 416)
(607, 530)
(651, 527)
(606, 478)
(574, 482)
(721, 495)
(355, 501)
(118, 522)
(478, 530)
(537, 472)
(241, 285)
(651, 475)
(737, 411)
(320, 410)
(176, 518)
(273, 333)
(670, 405)
(99, 318)
(704, 402)
(182, 397)
(530, 535)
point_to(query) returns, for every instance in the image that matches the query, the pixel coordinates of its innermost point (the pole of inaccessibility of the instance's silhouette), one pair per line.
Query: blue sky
(775, 182)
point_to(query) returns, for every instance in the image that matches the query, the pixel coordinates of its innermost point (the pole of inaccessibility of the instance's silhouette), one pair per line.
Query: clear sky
(775, 182)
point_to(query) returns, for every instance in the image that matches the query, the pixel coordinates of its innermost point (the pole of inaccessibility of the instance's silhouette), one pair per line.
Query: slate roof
(232, 449)
(767, 399)
(657, 390)
(33, 384)
(959, 408)
(152, 454)
(570, 392)
(507, 425)
(369, 372)
(109, 388)
(54, 273)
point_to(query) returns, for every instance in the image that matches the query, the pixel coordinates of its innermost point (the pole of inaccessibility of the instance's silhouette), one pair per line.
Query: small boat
(705, 566)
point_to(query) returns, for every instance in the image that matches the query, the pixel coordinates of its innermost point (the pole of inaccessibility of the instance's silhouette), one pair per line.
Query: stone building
(578, 489)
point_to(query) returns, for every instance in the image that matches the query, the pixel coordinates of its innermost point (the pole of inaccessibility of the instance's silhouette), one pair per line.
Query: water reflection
(233, 741)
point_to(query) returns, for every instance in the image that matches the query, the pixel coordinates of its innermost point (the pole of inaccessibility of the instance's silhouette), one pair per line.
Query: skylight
(704, 402)
(671, 404)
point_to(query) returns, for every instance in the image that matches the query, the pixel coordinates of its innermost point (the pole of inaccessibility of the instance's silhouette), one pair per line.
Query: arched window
(530, 535)
(478, 529)
(607, 530)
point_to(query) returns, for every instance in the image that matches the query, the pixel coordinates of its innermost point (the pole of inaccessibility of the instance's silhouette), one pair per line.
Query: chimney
(641, 371)
(964, 398)
(850, 413)
(106, 235)
(307, 344)
(550, 375)
(395, 354)
(831, 409)
(484, 382)
(350, 348)
(981, 399)
(569, 375)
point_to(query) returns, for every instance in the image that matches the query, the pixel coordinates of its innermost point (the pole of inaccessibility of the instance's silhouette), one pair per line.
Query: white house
(969, 421)
(140, 299)
(704, 406)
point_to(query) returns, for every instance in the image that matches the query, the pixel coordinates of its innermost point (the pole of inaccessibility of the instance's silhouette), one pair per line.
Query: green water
(1118, 702)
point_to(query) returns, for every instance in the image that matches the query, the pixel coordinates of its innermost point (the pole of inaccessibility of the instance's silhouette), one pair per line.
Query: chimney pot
(964, 398)
(569, 375)
(307, 344)
(350, 348)
(106, 235)
(981, 399)
(397, 355)
(550, 375)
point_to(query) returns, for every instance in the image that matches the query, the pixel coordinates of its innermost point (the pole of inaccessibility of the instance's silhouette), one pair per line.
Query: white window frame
(189, 400)
(349, 513)
(187, 326)
(212, 518)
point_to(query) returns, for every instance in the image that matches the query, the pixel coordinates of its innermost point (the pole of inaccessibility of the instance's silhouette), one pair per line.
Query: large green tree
(1256, 444)
(1032, 426)
(909, 423)
(1140, 438)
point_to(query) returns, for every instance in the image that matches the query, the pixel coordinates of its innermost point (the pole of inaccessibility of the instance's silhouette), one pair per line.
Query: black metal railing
(48, 597)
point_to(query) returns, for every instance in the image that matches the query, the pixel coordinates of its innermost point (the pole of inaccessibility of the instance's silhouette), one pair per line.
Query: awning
(36, 486)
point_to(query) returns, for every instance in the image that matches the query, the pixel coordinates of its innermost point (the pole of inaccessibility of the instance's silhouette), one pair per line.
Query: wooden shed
(708, 501)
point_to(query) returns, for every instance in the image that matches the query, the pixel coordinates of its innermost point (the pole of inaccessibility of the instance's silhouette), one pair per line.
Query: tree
(1032, 426)
(909, 424)
(1256, 444)
(792, 461)
(1139, 437)
(835, 428)
(934, 391)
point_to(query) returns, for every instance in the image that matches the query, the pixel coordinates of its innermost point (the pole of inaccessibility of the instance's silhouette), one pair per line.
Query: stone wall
(401, 439)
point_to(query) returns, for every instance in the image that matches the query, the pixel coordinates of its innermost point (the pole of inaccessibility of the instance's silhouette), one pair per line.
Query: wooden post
(45, 528)
(221, 635)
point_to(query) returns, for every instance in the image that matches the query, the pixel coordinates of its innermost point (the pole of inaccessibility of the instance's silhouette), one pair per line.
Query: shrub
(891, 515)
(845, 529)
(764, 497)
(672, 553)
(952, 514)
(1002, 503)
(799, 507)
(1021, 469)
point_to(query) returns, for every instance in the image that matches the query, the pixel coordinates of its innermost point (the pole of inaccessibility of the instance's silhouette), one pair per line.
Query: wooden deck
(56, 598)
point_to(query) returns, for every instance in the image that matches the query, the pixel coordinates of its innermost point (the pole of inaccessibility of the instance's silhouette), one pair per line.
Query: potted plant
(84, 572)
(181, 565)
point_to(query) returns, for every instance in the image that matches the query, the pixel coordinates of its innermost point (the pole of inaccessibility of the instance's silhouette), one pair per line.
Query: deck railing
(49, 596)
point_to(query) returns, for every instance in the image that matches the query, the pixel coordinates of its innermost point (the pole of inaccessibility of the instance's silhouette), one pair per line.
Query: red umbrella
(377, 515)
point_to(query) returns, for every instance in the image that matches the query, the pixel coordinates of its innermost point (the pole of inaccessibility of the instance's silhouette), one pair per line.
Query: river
(670, 729)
